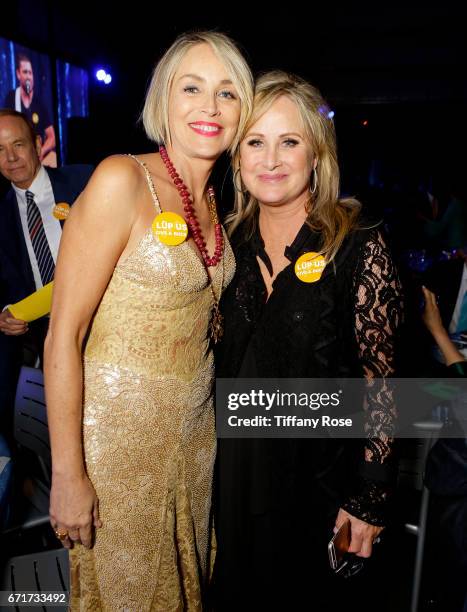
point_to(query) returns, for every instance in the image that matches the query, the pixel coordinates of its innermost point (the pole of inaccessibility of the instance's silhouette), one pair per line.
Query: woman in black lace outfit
(279, 500)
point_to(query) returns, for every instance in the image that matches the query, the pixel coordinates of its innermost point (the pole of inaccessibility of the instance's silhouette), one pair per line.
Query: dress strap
(152, 189)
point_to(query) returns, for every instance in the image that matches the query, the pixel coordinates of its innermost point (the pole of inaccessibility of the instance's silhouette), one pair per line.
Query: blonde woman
(129, 365)
(280, 500)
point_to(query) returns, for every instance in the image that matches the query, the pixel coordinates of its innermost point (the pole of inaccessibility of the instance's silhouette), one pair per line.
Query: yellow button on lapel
(309, 267)
(61, 211)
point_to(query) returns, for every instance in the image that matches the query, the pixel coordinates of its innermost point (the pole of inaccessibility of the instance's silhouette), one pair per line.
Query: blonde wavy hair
(332, 216)
(155, 115)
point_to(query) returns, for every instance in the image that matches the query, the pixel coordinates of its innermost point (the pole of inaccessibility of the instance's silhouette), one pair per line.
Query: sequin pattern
(149, 435)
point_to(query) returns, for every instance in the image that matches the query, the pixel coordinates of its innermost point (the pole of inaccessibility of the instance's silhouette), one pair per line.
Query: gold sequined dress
(149, 432)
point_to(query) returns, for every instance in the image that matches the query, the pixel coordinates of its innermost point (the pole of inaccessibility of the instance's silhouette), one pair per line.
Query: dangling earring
(314, 181)
(241, 190)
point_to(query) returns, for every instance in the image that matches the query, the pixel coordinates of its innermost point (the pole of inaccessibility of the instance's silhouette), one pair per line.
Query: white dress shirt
(41, 187)
(460, 298)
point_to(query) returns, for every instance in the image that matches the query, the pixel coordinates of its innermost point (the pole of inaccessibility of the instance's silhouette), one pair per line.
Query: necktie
(39, 240)
(462, 322)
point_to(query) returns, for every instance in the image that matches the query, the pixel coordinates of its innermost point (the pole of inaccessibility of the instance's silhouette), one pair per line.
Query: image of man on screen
(25, 99)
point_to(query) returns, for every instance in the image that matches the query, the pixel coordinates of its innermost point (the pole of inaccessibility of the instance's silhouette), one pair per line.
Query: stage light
(365, 122)
(103, 76)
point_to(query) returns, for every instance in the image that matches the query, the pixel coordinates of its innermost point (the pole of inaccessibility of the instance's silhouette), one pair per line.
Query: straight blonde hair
(155, 113)
(332, 216)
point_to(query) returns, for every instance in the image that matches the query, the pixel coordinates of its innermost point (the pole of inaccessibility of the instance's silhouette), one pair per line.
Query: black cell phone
(339, 546)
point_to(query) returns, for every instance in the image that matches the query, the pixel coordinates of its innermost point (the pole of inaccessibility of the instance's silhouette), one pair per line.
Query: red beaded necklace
(191, 215)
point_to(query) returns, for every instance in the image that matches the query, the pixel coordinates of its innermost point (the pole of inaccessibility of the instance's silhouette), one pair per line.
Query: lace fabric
(347, 324)
(377, 317)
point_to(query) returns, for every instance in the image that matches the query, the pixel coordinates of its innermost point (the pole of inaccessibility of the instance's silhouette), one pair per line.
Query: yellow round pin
(170, 228)
(35, 118)
(309, 267)
(61, 211)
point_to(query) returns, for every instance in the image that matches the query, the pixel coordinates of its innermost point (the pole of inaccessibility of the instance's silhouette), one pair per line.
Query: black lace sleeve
(378, 313)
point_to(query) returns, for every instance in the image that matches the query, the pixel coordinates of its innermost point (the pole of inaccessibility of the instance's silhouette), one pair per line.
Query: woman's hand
(363, 535)
(74, 509)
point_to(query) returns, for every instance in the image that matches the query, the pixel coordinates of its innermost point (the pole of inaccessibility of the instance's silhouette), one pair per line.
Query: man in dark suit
(30, 231)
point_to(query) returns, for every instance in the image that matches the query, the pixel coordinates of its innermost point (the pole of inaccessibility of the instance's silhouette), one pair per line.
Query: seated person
(446, 478)
(29, 239)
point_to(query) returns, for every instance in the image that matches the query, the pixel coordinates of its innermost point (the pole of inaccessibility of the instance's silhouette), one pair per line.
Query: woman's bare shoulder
(117, 180)
(118, 171)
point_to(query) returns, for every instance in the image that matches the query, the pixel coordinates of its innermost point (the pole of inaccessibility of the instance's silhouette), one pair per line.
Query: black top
(343, 325)
(37, 112)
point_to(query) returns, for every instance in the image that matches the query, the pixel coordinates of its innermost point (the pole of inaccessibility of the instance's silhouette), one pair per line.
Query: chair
(44, 571)
(41, 571)
(411, 471)
(32, 434)
(31, 429)
(5, 480)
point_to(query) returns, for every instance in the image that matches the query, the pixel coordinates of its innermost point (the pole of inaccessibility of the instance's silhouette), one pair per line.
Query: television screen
(26, 86)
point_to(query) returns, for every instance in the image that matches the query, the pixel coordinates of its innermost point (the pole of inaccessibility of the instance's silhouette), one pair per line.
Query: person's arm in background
(432, 319)
(49, 142)
(94, 237)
